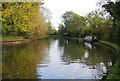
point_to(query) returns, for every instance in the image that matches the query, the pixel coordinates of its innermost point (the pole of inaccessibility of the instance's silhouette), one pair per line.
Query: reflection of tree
(98, 58)
(101, 54)
(72, 50)
(20, 61)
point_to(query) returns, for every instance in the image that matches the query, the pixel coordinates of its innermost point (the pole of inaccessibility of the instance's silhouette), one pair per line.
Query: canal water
(56, 58)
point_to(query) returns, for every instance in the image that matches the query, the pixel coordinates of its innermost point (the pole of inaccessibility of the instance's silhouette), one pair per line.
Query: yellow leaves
(24, 17)
(1, 19)
(7, 12)
(23, 29)
(26, 5)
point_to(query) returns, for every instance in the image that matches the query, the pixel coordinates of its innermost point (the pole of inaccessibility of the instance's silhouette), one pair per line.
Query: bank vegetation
(24, 19)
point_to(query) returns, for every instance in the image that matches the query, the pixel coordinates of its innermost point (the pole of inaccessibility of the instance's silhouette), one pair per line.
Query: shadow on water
(56, 58)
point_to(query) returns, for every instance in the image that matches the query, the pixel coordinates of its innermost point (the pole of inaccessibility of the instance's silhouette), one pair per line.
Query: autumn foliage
(23, 19)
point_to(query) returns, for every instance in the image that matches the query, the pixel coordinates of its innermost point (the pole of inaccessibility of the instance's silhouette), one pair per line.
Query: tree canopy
(71, 24)
(114, 10)
(23, 19)
(94, 23)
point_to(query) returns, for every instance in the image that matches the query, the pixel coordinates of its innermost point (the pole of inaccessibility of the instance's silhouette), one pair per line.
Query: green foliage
(23, 19)
(71, 24)
(95, 23)
(114, 10)
(115, 72)
(99, 24)
(86, 30)
(51, 31)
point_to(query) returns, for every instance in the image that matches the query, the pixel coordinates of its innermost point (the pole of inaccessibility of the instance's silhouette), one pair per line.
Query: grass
(3, 38)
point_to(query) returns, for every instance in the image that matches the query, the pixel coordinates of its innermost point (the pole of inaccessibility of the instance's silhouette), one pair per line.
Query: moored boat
(92, 38)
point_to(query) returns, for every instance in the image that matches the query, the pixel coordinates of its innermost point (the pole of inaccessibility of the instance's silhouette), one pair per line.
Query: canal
(56, 58)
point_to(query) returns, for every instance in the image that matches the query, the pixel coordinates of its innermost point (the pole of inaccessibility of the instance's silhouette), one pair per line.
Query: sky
(59, 7)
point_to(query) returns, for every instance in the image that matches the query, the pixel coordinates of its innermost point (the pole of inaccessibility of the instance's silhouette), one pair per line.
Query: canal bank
(6, 40)
(115, 71)
(12, 40)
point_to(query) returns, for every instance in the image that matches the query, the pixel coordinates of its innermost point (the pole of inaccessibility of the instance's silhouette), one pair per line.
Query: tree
(23, 19)
(71, 24)
(98, 24)
(46, 13)
(39, 29)
(114, 10)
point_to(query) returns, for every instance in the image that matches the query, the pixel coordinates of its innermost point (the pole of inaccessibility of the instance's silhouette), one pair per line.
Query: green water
(56, 58)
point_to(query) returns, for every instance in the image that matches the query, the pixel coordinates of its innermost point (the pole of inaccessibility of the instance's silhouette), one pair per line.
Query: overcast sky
(59, 7)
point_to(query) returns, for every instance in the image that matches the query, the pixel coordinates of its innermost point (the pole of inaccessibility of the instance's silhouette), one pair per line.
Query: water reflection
(20, 61)
(90, 46)
(56, 59)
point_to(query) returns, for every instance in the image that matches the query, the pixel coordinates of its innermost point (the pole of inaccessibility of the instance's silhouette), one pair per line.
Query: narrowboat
(91, 39)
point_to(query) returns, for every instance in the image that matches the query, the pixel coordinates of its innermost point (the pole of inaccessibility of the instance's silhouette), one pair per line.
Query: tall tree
(24, 19)
(114, 10)
(71, 24)
(98, 24)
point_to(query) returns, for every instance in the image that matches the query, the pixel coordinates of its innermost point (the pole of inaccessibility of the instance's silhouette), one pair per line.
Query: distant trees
(71, 24)
(51, 31)
(98, 23)
(94, 23)
(47, 16)
(23, 19)
(104, 22)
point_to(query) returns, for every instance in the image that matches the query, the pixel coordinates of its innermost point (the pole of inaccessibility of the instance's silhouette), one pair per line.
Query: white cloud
(58, 7)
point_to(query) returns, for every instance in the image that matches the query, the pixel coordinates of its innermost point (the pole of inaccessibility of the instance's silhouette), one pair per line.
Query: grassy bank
(6, 38)
(115, 71)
